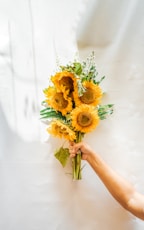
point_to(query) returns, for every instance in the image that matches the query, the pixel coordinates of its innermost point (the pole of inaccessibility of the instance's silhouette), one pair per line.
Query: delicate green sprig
(105, 110)
(75, 68)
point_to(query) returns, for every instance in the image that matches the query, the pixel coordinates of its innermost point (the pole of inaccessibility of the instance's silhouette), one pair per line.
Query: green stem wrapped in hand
(76, 161)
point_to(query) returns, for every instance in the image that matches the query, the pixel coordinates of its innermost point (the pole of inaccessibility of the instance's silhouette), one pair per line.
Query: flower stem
(77, 161)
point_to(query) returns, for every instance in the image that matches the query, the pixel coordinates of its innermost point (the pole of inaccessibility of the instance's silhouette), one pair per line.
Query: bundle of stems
(76, 161)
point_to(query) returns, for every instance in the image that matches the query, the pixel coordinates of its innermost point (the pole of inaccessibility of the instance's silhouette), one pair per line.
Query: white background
(36, 193)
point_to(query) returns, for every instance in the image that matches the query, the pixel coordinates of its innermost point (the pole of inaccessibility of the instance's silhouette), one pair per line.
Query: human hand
(84, 148)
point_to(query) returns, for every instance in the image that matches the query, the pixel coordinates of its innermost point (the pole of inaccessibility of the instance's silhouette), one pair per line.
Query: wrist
(90, 157)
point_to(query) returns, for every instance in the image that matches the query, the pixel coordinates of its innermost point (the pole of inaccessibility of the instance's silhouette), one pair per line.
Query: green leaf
(45, 110)
(77, 68)
(51, 114)
(62, 155)
(98, 82)
(105, 110)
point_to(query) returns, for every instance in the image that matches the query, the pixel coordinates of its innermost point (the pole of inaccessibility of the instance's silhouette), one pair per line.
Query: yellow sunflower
(57, 128)
(58, 100)
(91, 96)
(49, 92)
(64, 81)
(84, 118)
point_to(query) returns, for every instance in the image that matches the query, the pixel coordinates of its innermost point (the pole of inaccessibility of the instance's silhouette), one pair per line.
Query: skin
(120, 189)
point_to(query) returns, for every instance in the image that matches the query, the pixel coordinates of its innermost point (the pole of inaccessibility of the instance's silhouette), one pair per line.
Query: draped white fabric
(36, 193)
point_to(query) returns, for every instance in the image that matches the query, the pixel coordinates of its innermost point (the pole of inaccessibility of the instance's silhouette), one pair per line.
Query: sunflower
(84, 118)
(59, 129)
(64, 81)
(48, 92)
(58, 100)
(91, 96)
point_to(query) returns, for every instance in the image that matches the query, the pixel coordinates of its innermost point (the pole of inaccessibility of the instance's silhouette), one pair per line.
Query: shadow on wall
(12, 146)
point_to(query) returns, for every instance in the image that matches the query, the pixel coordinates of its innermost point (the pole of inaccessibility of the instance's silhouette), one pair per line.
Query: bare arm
(119, 188)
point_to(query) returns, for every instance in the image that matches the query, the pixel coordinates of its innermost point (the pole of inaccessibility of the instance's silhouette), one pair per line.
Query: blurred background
(36, 193)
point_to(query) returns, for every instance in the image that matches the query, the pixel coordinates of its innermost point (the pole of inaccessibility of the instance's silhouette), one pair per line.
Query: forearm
(119, 188)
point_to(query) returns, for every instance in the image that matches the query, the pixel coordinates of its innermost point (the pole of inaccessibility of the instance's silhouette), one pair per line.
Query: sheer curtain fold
(34, 34)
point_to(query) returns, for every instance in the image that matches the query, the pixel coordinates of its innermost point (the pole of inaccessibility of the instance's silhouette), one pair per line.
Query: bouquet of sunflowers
(73, 106)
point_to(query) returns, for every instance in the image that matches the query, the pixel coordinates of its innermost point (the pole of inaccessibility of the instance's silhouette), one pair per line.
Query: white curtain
(36, 193)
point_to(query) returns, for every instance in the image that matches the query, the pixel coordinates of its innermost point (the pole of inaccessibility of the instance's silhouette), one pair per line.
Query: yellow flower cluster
(63, 97)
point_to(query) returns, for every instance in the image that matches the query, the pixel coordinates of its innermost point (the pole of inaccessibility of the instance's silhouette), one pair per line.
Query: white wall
(36, 193)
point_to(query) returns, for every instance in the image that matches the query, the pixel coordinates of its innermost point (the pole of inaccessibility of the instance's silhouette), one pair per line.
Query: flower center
(59, 130)
(67, 82)
(60, 101)
(88, 97)
(62, 130)
(84, 119)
